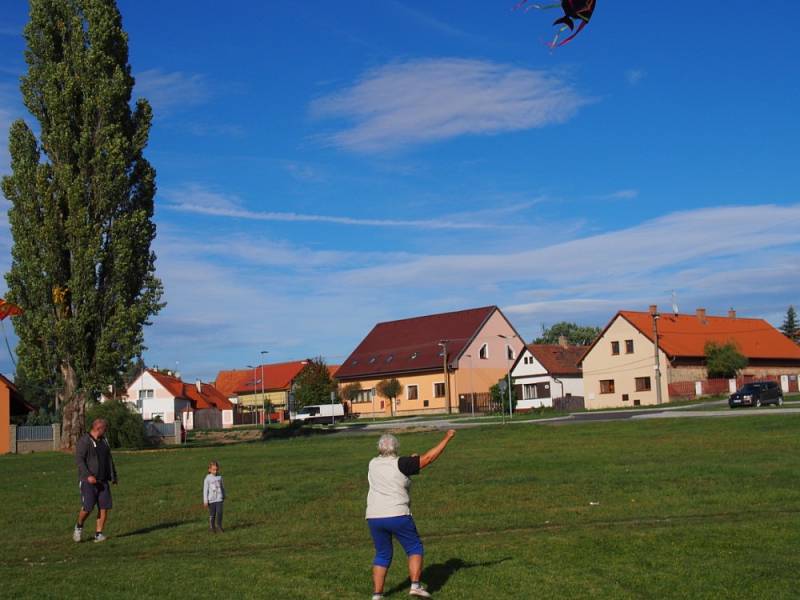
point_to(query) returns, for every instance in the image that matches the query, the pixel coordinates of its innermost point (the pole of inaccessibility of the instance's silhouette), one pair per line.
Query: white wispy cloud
(429, 21)
(627, 194)
(320, 301)
(199, 200)
(167, 91)
(634, 76)
(421, 101)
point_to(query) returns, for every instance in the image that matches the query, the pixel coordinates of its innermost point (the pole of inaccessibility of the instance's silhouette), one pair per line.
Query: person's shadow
(435, 576)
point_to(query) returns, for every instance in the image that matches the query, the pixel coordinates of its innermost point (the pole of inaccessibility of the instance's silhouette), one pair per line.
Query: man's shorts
(97, 494)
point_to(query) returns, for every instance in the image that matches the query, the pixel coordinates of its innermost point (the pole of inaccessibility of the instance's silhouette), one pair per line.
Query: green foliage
(42, 417)
(790, 327)
(576, 335)
(125, 427)
(389, 388)
(500, 398)
(81, 212)
(314, 384)
(723, 360)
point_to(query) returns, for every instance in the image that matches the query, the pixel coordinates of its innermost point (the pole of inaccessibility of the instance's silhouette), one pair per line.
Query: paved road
(684, 412)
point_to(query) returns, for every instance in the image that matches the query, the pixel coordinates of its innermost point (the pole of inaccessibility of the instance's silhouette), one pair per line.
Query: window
(412, 392)
(438, 390)
(606, 386)
(614, 348)
(145, 394)
(484, 352)
(643, 384)
(425, 403)
(628, 346)
(510, 353)
(365, 396)
(532, 391)
(414, 355)
(625, 397)
(390, 358)
(372, 360)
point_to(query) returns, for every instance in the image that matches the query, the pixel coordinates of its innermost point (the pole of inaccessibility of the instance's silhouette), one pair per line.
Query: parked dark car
(757, 393)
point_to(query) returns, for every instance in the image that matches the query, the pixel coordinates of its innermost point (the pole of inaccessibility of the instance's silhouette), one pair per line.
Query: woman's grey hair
(387, 445)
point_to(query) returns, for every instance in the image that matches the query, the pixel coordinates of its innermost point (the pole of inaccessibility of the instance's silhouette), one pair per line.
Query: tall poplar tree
(81, 208)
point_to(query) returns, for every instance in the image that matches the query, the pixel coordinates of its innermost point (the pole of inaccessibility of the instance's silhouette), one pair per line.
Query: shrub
(125, 427)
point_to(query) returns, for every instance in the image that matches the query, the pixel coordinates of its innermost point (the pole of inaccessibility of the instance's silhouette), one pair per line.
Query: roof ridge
(448, 312)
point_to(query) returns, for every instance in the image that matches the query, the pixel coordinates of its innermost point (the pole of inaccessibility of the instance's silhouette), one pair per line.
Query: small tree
(790, 327)
(500, 397)
(390, 389)
(351, 391)
(314, 384)
(125, 427)
(724, 360)
(576, 335)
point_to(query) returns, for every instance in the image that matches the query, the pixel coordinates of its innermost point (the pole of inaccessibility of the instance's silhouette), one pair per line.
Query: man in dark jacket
(96, 472)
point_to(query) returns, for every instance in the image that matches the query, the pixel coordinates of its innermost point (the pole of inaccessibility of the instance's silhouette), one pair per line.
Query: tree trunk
(73, 422)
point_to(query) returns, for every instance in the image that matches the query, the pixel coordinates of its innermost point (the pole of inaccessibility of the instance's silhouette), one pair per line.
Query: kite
(574, 10)
(9, 310)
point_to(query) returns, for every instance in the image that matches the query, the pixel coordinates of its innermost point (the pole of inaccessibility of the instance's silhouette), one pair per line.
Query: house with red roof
(543, 372)
(163, 396)
(13, 408)
(619, 368)
(253, 390)
(442, 362)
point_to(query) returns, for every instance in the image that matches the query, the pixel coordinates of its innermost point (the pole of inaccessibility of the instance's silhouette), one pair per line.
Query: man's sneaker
(419, 592)
(76, 534)
(99, 537)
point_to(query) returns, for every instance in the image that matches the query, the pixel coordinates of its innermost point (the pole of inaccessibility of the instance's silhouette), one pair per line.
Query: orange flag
(8, 310)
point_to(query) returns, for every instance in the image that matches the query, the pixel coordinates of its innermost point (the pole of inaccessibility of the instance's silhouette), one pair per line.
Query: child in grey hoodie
(213, 496)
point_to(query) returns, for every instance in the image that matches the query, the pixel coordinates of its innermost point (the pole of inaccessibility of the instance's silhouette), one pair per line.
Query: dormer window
(483, 353)
(390, 358)
(414, 355)
(372, 360)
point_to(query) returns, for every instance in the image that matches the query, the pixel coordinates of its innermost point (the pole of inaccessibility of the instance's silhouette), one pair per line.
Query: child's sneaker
(99, 537)
(77, 533)
(377, 596)
(419, 592)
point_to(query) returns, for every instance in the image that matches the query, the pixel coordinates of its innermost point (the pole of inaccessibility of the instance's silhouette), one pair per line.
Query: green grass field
(703, 508)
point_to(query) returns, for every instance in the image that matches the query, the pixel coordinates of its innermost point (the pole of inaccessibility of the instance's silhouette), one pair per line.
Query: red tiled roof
(557, 359)
(687, 335)
(277, 376)
(207, 397)
(412, 344)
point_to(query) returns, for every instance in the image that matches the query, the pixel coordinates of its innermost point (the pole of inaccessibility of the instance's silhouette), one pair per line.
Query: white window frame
(416, 388)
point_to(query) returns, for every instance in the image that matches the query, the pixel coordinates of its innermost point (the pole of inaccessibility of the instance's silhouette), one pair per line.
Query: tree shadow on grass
(436, 576)
(152, 528)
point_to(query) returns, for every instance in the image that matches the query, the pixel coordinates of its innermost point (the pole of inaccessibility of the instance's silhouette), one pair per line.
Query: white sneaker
(420, 592)
(76, 534)
(99, 537)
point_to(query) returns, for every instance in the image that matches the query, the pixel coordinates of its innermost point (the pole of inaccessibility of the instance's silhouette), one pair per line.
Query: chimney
(731, 313)
(653, 309)
(701, 315)
(562, 341)
(199, 385)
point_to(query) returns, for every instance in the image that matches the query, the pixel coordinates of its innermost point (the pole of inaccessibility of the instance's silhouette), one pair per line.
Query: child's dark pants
(215, 515)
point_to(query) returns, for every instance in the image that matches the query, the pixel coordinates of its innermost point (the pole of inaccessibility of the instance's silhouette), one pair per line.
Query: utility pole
(656, 316)
(443, 346)
(263, 399)
(509, 349)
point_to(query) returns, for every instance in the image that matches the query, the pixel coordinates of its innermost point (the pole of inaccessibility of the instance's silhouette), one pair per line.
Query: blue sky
(325, 166)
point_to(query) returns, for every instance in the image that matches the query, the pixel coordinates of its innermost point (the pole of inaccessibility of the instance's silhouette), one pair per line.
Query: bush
(125, 427)
(42, 417)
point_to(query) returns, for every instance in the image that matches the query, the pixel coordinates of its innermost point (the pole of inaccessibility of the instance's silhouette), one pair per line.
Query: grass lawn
(684, 508)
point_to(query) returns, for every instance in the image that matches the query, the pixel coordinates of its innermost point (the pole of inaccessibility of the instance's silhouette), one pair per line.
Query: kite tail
(570, 38)
(10, 353)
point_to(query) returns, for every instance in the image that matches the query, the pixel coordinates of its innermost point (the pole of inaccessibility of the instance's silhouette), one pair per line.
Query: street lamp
(508, 357)
(443, 345)
(471, 384)
(255, 381)
(263, 399)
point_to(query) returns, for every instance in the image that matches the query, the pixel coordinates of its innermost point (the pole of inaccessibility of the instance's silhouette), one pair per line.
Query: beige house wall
(278, 399)
(623, 369)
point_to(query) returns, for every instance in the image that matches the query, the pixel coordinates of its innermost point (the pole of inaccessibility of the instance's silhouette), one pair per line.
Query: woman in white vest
(389, 509)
